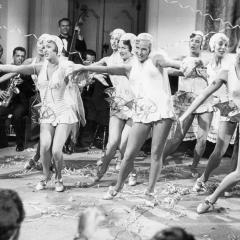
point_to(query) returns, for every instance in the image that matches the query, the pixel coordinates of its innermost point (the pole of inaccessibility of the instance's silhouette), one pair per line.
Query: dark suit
(80, 46)
(96, 111)
(18, 107)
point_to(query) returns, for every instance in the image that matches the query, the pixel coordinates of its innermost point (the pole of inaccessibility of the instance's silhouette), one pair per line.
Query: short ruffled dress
(153, 100)
(188, 89)
(55, 109)
(121, 94)
(221, 99)
(73, 97)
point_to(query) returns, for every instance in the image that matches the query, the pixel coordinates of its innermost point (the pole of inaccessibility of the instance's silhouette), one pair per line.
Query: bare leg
(204, 123)
(74, 133)
(160, 133)
(46, 136)
(231, 179)
(124, 136)
(228, 181)
(36, 157)
(173, 143)
(116, 126)
(136, 138)
(225, 133)
(61, 134)
(234, 158)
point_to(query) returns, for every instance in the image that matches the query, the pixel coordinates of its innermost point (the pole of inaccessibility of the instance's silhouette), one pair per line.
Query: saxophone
(11, 91)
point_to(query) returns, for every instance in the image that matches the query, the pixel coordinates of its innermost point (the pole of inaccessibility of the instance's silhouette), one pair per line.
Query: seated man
(11, 214)
(19, 104)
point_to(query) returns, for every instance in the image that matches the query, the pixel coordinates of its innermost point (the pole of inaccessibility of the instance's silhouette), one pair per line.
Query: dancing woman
(120, 118)
(153, 108)
(231, 78)
(189, 88)
(218, 45)
(39, 59)
(56, 115)
(120, 114)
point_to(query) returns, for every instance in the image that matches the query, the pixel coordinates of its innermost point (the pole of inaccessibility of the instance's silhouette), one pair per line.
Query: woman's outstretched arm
(112, 70)
(7, 76)
(161, 59)
(23, 69)
(221, 78)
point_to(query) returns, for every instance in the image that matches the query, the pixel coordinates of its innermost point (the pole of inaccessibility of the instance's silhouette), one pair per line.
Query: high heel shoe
(204, 207)
(111, 193)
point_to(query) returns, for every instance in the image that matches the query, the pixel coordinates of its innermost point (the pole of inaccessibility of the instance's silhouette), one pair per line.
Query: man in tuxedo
(64, 25)
(19, 104)
(96, 107)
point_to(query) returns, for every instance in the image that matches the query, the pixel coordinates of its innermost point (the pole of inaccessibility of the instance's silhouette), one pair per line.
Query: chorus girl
(153, 108)
(56, 115)
(230, 77)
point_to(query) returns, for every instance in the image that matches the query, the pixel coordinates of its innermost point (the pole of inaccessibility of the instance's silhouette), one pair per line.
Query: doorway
(100, 17)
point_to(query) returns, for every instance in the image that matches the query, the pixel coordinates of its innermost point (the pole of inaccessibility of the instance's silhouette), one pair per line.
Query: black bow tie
(63, 37)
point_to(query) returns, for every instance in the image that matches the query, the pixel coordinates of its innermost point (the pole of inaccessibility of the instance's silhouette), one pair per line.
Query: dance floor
(51, 215)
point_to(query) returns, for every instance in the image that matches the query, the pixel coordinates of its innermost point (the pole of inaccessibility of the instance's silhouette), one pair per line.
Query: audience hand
(88, 223)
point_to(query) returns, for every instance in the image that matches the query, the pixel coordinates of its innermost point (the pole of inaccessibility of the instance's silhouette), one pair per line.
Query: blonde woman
(121, 115)
(57, 116)
(189, 88)
(230, 77)
(153, 108)
(225, 126)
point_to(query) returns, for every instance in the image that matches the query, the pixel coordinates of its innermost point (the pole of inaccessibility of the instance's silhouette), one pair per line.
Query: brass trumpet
(11, 91)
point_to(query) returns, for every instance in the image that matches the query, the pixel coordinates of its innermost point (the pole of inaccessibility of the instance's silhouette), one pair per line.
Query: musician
(80, 44)
(19, 104)
(95, 105)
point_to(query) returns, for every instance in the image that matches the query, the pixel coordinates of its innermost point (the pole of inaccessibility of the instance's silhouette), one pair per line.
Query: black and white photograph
(119, 119)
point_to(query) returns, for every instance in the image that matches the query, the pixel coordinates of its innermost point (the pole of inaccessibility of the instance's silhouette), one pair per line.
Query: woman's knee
(113, 144)
(44, 147)
(156, 157)
(57, 154)
(202, 141)
(129, 156)
(217, 154)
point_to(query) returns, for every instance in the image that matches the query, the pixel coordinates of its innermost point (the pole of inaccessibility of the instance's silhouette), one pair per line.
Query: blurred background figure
(11, 214)
(88, 223)
(173, 233)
